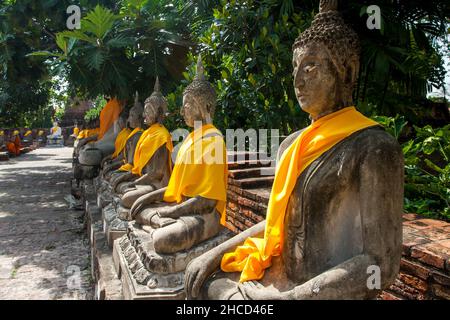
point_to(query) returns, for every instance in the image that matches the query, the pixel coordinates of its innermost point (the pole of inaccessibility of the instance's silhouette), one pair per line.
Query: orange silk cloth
(149, 142)
(14, 147)
(120, 142)
(109, 114)
(128, 166)
(255, 255)
(201, 169)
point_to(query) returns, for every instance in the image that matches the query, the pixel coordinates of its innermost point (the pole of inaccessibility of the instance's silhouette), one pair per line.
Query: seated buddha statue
(150, 169)
(92, 154)
(135, 123)
(2, 140)
(14, 143)
(28, 136)
(179, 222)
(152, 163)
(116, 160)
(335, 208)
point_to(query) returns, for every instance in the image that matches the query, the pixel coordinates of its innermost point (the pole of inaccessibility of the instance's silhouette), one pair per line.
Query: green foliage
(94, 113)
(427, 168)
(120, 50)
(394, 125)
(247, 54)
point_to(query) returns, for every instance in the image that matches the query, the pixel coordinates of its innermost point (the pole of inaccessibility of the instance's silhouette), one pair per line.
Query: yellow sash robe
(255, 255)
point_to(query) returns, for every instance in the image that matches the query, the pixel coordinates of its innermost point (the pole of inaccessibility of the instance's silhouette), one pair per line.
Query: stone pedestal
(113, 226)
(107, 285)
(148, 275)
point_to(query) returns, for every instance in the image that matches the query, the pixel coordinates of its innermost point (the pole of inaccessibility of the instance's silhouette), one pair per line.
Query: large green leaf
(99, 22)
(95, 58)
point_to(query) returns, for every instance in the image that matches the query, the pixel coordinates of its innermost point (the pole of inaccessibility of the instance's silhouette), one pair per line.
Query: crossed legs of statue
(129, 197)
(173, 235)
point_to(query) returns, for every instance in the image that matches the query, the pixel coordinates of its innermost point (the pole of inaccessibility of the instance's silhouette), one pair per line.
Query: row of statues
(335, 207)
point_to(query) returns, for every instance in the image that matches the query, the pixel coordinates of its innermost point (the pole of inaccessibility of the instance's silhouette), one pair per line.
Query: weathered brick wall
(425, 265)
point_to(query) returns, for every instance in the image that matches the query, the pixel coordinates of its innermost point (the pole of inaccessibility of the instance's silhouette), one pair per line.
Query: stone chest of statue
(335, 209)
(175, 224)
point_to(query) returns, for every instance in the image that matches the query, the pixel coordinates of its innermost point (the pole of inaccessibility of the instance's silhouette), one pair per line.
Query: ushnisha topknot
(137, 106)
(201, 89)
(157, 99)
(329, 28)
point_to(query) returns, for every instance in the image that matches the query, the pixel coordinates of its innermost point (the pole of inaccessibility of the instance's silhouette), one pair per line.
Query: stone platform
(147, 275)
(106, 283)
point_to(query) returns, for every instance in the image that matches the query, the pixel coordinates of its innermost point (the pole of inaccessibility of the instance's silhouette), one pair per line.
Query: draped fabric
(150, 141)
(201, 169)
(14, 147)
(255, 255)
(129, 166)
(120, 142)
(109, 114)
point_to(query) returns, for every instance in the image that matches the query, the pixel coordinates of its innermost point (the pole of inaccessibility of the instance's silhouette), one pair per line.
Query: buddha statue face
(135, 116)
(319, 87)
(121, 123)
(315, 80)
(134, 119)
(192, 110)
(152, 113)
(155, 107)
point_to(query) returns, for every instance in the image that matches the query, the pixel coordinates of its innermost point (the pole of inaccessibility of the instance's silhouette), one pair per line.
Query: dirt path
(43, 249)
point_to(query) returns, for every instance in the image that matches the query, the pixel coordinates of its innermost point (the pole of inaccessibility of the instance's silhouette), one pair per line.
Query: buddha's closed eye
(310, 68)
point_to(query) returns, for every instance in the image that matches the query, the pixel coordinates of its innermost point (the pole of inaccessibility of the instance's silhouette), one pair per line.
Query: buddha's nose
(299, 82)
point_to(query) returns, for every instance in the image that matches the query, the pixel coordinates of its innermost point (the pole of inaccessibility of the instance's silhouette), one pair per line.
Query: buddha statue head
(121, 121)
(326, 63)
(199, 99)
(155, 107)
(135, 115)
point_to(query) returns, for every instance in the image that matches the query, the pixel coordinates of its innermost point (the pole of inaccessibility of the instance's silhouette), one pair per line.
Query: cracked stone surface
(44, 252)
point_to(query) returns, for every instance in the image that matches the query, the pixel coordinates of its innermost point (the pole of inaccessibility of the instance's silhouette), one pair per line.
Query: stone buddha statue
(152, 165)
(2, 140)
(135, 123)
(114, 161)
(335, 209)
(176, 223)
(153, 154)
(91, 155)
